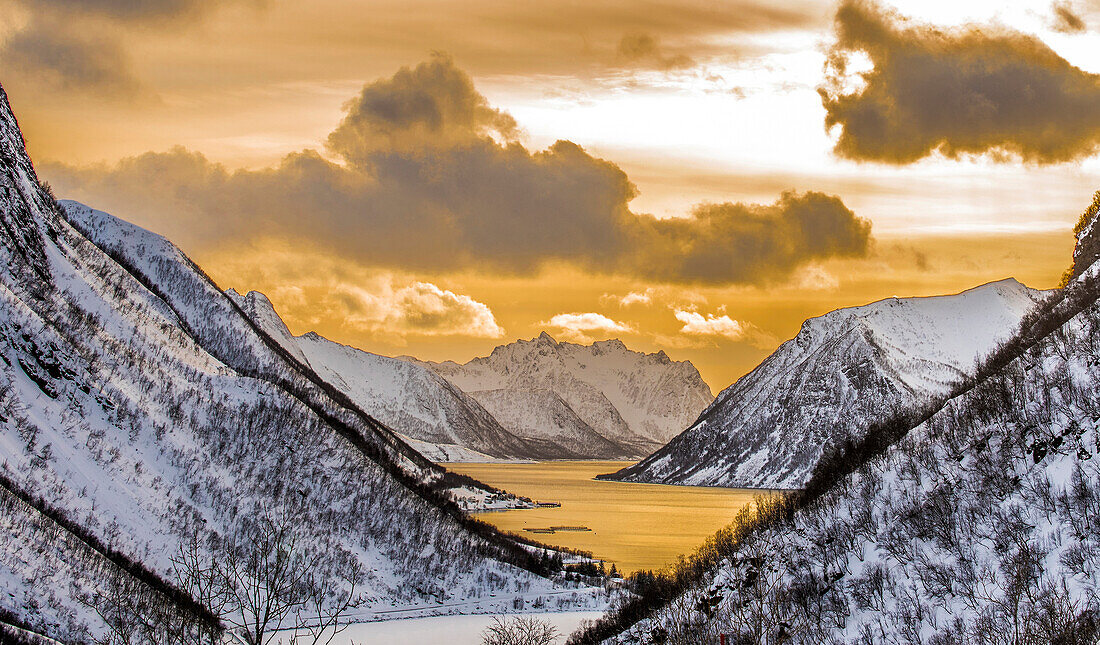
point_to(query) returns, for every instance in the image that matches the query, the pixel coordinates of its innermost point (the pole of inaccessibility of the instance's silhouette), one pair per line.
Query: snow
(978, 525)
(633, 400)
(843, 371)
(452, 630)
(143, 407)
(444, 423)
(536, 399)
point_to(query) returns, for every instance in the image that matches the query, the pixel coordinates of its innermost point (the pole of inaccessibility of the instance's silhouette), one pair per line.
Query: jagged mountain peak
(638, 400)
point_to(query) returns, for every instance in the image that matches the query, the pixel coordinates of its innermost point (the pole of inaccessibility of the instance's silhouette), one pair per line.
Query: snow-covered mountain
(635, 400)
(543, 419)
(974, 524)
(144, 415)
(517, 417)
(416, 402)
(844, 371)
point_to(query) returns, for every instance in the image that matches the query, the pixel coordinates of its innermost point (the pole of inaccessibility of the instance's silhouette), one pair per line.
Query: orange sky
(695, 105)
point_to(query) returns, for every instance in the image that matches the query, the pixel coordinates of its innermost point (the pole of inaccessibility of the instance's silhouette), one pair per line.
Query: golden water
(636, 526)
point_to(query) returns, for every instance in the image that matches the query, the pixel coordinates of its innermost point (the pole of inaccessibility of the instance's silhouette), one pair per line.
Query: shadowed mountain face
(841, 373)
(142, 410)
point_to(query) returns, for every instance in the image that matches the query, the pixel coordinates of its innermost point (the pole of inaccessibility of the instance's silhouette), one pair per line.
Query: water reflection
(636, 526)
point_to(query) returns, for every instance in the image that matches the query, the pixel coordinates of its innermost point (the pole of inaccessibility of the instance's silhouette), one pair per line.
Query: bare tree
(522, 630)
(133, 613)
(266, 583)
(320, 617)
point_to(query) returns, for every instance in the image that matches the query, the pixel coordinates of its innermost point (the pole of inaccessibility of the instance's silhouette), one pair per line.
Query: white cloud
(391, 310)
(700, 330)
(696, 324)
(636, 298)
(815, 277)
(585, 327)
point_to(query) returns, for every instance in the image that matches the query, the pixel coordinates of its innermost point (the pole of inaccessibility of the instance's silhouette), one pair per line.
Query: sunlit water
(636, 526)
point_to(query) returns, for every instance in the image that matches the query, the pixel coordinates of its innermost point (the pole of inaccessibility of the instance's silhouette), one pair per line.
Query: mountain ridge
(634, 399)
(841, 372)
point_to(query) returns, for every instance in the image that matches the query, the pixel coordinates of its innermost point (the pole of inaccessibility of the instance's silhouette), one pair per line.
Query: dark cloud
(75, 45)
(49, 52)
(966, 91)
(432, 106)
(646, 49)
(1066, 20)
(133, 10)
(731, 242)
(428, 180)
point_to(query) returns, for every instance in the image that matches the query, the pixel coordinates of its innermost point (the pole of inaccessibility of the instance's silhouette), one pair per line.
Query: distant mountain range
(638, 401)
(536, 399)
(844, 371)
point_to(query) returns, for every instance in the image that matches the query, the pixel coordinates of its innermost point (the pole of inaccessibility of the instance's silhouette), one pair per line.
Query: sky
(437, 178)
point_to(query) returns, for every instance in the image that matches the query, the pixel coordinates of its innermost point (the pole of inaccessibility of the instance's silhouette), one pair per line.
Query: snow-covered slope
(976, 526)
(842, 372)
(141, 410)
(633, 399)
(411, 399)
(543, 419)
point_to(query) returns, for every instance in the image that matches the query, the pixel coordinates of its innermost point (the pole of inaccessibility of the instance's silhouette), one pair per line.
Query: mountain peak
(611, 344)
(843, 369)
(546, 339)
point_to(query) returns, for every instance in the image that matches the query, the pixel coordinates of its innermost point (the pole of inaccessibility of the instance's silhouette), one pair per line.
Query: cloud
(710, 327)
(816, 278)
(134, 11)
(425, 309)
(630, 298)
(640, 48)
(430, 179)
(966, 91)
(1066, 20)
(746, 243)
(76, 45)
(57, 57)
(586, 327)
(386, 310)
(313, 289)
(431, 106)
(696, 324)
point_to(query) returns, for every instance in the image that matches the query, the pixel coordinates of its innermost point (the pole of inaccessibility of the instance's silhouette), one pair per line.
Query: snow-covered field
(449, 630)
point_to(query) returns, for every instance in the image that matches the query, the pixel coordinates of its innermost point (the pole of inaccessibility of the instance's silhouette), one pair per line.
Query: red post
(722, 637)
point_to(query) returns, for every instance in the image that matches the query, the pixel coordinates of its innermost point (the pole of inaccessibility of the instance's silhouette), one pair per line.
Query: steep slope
(543, 419)
(411, 399)
(978, 525)
(633, 399)
(142, 411)
(841, 373)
